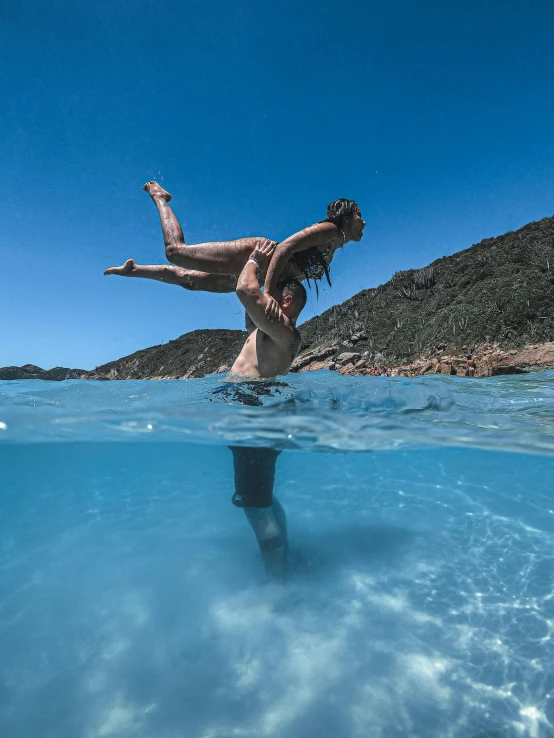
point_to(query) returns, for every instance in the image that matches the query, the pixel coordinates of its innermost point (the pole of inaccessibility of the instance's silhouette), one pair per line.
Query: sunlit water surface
(421, 600)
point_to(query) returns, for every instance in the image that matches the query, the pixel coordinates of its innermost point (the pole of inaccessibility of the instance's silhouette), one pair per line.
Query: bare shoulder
(324, 230)
(317, 234)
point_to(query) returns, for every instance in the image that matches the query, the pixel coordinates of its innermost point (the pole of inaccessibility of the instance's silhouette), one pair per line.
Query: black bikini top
(313, 263)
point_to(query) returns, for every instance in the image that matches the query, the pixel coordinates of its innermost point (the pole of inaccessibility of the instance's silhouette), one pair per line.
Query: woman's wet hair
(342, 209)
(296, 290)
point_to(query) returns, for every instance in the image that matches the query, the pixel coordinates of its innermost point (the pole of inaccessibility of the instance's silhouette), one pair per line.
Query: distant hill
(30, 371)
(191, 355)
(493, 298)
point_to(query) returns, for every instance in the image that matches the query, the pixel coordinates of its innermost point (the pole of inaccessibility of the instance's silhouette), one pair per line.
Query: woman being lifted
(215, 266)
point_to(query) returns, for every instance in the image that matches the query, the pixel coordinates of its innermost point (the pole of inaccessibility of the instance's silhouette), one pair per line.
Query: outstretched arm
(315, 235)
(169, 274)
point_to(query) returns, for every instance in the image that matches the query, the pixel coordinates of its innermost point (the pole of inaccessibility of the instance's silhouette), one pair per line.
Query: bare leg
(190, 280)
(269, 526)
(280, 515)
(254, 477)
(215, 257)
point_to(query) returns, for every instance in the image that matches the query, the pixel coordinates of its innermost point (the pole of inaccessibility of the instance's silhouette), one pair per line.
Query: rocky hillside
(499, 291)
(191, 355)
(495, 299)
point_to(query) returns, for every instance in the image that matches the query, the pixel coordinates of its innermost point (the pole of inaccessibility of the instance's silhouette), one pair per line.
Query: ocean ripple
(316, 411)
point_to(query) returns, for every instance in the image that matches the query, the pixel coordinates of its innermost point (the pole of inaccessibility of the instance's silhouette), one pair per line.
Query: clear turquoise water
(132, 596)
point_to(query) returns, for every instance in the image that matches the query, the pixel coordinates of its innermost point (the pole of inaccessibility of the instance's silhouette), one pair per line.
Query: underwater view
(419, 599)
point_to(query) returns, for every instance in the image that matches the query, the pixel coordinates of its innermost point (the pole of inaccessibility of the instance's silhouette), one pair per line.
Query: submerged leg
(219, 257)
(272, 540)
(187, 278)
(254, 478)
(280, 515)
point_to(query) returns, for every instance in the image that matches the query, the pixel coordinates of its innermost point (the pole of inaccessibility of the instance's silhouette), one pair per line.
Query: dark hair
(309, 260)
(296, 290)
(341, 209)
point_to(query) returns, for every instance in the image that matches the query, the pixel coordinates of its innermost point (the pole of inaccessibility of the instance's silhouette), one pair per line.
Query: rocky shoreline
(489, 361)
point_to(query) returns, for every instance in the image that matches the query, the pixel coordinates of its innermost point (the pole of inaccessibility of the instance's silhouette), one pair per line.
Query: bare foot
(123, 271)
(155, 190)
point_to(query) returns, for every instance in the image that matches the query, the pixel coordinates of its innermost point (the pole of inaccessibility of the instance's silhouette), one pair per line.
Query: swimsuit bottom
(254, 465)
(254, 475)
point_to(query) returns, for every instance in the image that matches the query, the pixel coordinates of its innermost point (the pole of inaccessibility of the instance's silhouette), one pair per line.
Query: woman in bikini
(215, 266)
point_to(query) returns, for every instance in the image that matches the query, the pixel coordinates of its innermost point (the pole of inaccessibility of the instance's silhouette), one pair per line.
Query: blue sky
(436, 116)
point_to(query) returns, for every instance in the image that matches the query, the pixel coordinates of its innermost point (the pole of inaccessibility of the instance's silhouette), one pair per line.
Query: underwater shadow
(351, 545)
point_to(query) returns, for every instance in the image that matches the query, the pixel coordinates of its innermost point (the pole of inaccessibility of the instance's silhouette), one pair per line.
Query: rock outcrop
(489, 360)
